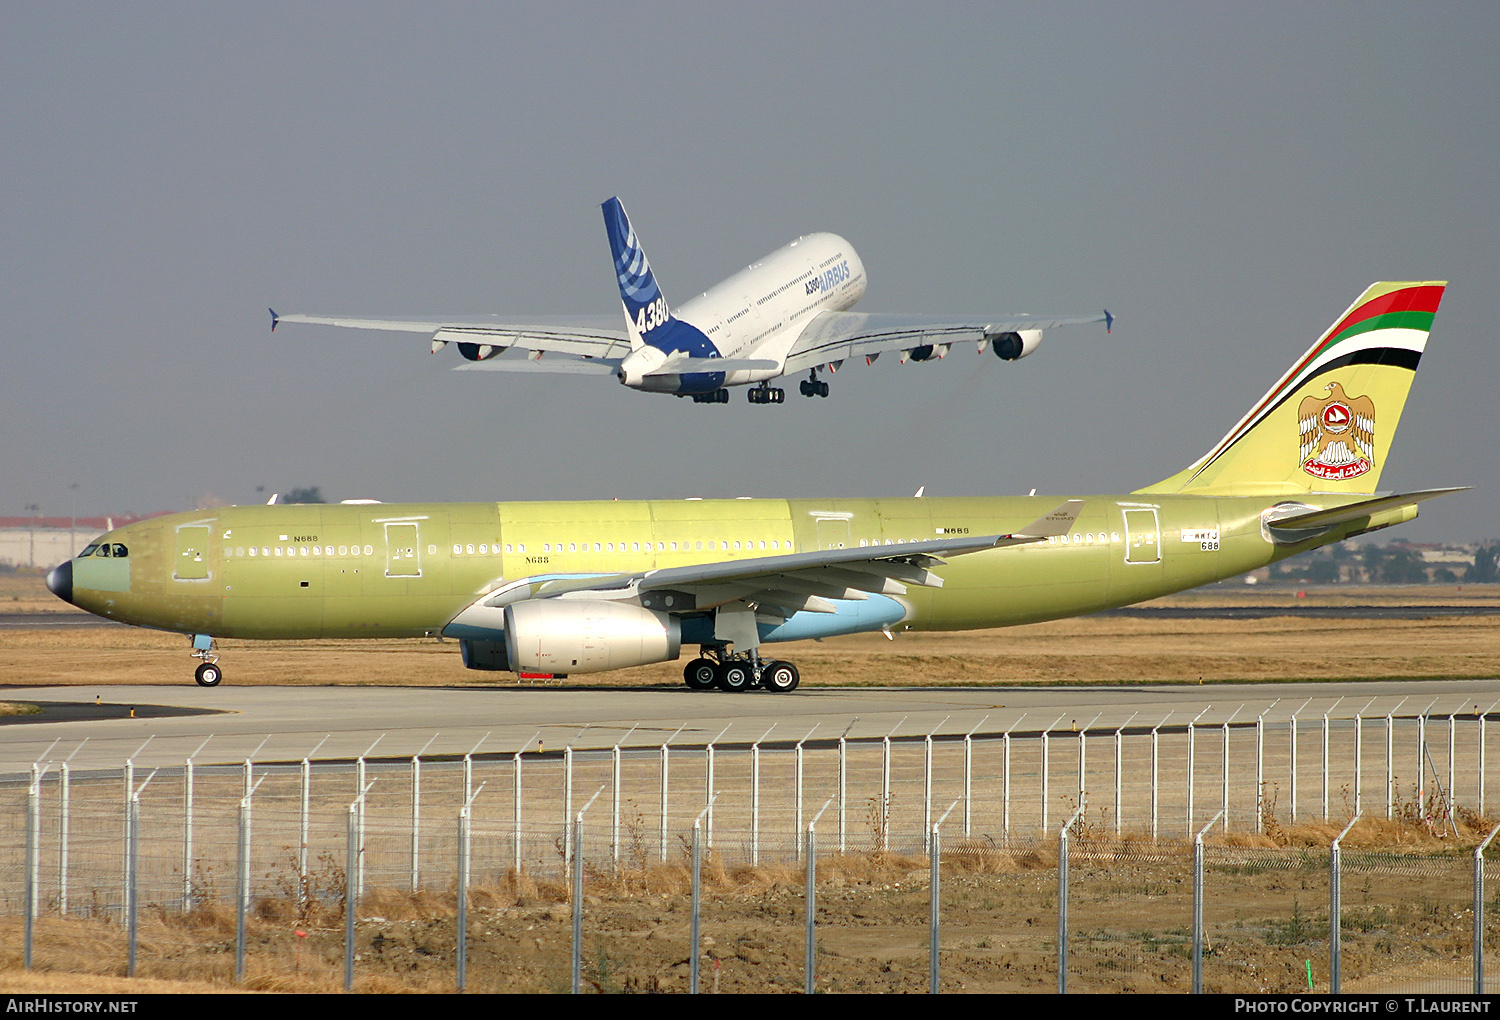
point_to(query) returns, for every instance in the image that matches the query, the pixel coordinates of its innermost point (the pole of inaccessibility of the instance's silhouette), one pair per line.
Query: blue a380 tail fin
(645, 307)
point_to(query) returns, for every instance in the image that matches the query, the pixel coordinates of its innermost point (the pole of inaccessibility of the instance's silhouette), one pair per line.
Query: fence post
(1192, 763)
(1046, 777)
(416, 820)
(1155, 772)
(1481, 762)
(1292, 765)
(577, 862)
(132, 877)
(1479, 911)
(810, 942)
(241, 889)
(359, 863)
(1224, 770)
(1198, 905)
(33, 848)
(694, 939)
(1005, 777)
(1062, 902)
(1359, 759)
(1326, 769)
(64, 797)
(934, 910)
(885, 793)
(568, 806)
(843, 789)
(926, 790)
(1260, 771)
(1452, 740)
(1335, 907)
(462, 949)
(1390, 762)
(351, 863)
(664, 803)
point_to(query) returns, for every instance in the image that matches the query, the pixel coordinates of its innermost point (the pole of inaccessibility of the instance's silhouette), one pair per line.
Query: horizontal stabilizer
(601, 366)
(1354, 511)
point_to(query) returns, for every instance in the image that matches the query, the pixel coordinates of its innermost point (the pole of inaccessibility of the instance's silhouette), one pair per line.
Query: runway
(287, 723)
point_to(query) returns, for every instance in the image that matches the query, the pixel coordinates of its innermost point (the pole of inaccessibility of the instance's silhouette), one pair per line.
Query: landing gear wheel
(780, 677)
(735, 676)
(208, 674)
(700, 674)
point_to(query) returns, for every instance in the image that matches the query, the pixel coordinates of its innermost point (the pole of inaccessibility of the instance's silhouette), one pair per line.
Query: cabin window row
(301, 550)
(1084, 538)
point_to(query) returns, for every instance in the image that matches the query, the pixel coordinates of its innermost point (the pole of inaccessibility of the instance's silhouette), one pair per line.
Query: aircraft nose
(60, 581)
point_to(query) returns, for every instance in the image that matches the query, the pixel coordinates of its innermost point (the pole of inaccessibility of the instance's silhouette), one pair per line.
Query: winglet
(274, 319)
(1109, 321)
(1059, 522)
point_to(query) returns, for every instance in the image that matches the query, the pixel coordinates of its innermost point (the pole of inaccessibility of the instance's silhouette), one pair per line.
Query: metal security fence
(1085, 835)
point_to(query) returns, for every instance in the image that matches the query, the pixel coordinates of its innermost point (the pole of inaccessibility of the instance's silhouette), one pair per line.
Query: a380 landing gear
(720, 396)
(739, 673)
(811, 387)
(767, 394)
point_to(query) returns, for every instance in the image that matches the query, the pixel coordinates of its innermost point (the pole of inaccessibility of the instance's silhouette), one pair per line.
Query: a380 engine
(1011, 346)
(564, 636)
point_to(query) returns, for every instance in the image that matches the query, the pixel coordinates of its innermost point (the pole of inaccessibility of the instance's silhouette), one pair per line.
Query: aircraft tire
(781, 677)
(734, 677)
(700, 674)
(208, 674)
(822, 389)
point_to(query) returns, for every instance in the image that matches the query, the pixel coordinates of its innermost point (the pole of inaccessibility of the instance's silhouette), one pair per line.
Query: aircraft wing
(576, 336)
(777, 585)
(837, 336)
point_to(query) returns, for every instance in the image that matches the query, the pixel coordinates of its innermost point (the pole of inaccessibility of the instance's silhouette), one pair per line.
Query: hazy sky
(1225, 181)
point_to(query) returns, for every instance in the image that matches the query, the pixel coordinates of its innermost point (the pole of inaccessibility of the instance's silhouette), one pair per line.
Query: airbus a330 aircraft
(580, 587)
(784, 315)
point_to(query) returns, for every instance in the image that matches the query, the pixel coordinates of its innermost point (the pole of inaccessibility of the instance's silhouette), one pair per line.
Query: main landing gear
(714, 397)
(740, 673)
(208, 673)
(811, 387)
(767, 394)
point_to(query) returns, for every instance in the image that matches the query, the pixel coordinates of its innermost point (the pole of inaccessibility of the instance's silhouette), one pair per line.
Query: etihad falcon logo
(1337, 435)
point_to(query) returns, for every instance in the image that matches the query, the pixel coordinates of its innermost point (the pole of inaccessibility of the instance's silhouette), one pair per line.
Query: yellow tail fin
(1327, 425)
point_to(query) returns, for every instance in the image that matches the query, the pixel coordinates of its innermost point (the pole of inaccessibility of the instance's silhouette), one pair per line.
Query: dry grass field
(1088, 650)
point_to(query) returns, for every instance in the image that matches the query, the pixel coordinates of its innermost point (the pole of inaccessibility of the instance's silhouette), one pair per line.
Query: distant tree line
(312, 494)
(1375, 564)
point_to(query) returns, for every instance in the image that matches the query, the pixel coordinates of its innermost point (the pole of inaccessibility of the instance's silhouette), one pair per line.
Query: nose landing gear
(208, 673)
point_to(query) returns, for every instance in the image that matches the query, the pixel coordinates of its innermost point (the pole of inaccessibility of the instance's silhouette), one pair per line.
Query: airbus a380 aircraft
(786, 314)
(580, 587)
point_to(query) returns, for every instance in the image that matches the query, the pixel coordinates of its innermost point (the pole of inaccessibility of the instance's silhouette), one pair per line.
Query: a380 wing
(837, 336)
(574, 336)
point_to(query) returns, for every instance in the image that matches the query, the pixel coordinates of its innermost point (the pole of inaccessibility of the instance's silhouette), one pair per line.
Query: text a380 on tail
(787, 314)
(564, 588)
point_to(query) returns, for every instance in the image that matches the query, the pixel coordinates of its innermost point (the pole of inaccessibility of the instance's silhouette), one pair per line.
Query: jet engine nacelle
(566, 636)
(1011, 346)
(478, 352)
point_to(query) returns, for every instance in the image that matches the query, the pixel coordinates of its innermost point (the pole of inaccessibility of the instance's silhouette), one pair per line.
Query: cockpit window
(88, 550)
(103, 549)
(120, 551)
